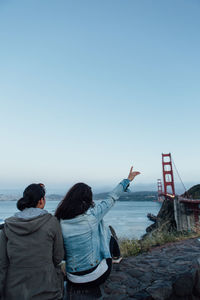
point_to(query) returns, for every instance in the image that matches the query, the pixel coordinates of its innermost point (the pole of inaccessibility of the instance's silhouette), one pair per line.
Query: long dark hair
(31, 196)
(76, 202)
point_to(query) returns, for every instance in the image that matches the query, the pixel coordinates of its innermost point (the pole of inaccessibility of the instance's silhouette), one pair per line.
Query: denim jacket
(86, 239)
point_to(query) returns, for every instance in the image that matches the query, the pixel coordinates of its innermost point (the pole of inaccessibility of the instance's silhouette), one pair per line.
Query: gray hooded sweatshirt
(31, 247)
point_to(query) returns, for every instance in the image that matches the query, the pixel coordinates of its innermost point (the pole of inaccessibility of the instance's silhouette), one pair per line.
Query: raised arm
(104, 206)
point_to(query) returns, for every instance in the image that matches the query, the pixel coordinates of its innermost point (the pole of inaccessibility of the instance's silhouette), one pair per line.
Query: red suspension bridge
(167, 190)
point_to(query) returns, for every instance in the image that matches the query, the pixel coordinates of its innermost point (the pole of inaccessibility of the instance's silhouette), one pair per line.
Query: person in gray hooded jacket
(31, 249)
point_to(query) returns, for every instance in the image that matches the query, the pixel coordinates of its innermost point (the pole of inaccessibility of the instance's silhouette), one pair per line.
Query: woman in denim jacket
(87, 241)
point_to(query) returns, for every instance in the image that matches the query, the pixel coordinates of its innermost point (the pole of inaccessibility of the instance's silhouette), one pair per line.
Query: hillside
(131, 196)
(135, 196)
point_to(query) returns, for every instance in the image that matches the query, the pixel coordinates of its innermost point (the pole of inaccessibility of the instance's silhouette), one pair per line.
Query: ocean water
(129, 218)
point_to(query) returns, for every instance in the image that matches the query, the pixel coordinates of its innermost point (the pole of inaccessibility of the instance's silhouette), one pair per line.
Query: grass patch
(133, 247)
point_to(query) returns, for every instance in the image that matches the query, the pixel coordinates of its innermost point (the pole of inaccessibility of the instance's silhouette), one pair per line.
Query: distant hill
(133, 196)
(129, 196)
(51, 197)
(8, 197)
(54, 197)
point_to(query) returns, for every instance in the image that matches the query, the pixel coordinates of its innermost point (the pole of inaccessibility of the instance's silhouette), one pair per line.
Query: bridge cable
(179, 176)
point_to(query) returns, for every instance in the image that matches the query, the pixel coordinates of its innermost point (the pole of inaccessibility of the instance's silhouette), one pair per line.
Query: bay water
(128, 218)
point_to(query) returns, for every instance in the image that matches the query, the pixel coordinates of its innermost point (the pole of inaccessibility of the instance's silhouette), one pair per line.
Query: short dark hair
(76, 202)
(31, 196)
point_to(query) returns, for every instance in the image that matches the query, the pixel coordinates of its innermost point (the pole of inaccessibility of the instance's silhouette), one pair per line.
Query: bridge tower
(168, 177)
(159, 183)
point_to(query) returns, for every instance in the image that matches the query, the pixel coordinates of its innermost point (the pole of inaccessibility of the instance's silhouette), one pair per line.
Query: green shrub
(133, 247)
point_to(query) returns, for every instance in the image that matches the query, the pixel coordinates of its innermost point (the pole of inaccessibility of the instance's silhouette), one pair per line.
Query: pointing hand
(132, 174)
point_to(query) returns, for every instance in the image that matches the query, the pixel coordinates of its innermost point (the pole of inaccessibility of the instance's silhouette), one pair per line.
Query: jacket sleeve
(4, 262)
(58, 248)
(104, 206)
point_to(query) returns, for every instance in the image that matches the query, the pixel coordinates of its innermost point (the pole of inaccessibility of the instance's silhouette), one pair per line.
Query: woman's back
(84, 241)
(32, 246)
(30, 239)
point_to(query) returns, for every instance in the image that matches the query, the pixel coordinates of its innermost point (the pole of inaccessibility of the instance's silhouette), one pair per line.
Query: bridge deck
(186, 200)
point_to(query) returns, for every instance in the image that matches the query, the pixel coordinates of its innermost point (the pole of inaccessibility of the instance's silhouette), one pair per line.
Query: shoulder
(53, 226)
(53, 220)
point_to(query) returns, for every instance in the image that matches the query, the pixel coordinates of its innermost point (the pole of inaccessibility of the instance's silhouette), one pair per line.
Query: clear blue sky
(88, 88)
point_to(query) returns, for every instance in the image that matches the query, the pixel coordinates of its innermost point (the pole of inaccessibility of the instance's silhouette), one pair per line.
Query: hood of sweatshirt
(27, 221)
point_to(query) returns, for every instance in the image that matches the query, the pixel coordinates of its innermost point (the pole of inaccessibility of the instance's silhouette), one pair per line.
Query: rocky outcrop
(170, 272)
(152, 217)
(171, 209)
(165, 220)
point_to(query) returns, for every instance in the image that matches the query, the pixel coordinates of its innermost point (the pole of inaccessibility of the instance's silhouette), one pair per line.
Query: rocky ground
(170, 272)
